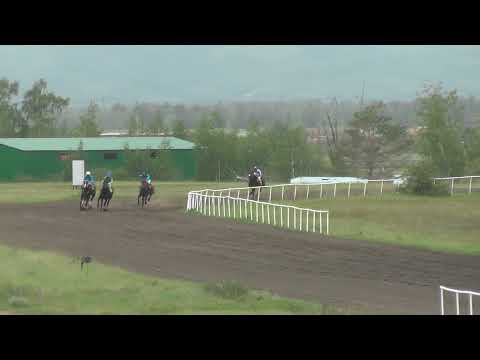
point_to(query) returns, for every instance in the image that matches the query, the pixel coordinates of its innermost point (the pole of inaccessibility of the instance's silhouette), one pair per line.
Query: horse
(87, 195)
(254, 181)
(105, 196)
(146, 192)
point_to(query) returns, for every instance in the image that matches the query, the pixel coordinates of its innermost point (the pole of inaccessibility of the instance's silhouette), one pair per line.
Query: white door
(78, 172)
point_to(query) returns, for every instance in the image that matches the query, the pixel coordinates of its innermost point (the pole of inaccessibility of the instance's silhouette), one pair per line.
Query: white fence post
(321, 223)
(334, 189)
(458, 303)
(281, 216)
(301, 212)
(453, 180)
(313, 227)
(268, 214)
(308, 190)
(470, 186)
(274, 217)
(283, 189)
(288, 218)
(270, 195)
(381, 188)
(349, 186)
(308, 212)
(295, 193)
(365, 189)
(321, 190)
(263, 216)
(328, 222)
(441, 301)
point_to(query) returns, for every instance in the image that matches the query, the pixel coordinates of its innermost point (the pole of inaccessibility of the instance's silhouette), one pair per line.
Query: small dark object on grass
(85, 260)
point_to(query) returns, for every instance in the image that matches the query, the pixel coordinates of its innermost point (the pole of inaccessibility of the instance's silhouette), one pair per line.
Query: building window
(110, 156)
(64, 156)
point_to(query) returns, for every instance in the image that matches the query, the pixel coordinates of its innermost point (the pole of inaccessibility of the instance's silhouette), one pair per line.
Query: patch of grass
(59, 287)
(227, 290)
(447, 224)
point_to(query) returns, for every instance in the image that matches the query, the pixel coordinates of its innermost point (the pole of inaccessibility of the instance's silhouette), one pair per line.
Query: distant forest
(309, 114)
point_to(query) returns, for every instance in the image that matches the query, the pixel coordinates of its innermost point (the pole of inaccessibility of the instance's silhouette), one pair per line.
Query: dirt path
(165, 242)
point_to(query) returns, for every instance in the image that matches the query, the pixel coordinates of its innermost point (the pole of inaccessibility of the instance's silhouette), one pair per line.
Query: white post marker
(295, 193)
(470, 186)
(381, 188)
(365, 189)
(283, 190)
(321, 190)
(270, 196)
(451, 192)
(349, 185)
(335, 190)
(308, 190)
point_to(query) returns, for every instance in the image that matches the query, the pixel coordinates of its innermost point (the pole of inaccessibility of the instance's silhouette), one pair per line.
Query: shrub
(227, 289)
(420, 181)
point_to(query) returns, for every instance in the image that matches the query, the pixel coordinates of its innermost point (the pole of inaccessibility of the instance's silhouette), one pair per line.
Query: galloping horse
(105, 196)
(253, 181)
(87, 195)
(146, 192)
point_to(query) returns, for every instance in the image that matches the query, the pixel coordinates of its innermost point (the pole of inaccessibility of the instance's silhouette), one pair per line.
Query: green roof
(96, 143)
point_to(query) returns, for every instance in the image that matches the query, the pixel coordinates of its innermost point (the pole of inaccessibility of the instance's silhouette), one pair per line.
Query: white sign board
(78, 172)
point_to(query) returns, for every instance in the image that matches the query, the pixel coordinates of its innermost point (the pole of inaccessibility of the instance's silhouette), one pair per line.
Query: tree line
(371, 141)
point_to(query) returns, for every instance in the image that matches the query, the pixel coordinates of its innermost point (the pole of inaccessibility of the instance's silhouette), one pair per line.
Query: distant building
(45, 158)
(314, 136)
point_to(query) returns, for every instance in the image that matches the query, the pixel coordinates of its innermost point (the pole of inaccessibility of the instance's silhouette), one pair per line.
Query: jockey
(257, 172)
(146, 176)
(88, 179)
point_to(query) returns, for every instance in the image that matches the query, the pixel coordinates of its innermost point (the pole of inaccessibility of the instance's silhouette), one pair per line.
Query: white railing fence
(308, 191)
(443, 298)
(293, 192)
(461, 184)
(285, 216)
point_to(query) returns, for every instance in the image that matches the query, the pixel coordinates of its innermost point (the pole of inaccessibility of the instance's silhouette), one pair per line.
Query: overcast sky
(222, 73)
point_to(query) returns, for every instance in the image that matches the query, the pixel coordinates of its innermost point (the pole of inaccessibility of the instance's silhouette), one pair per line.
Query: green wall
(43, 165)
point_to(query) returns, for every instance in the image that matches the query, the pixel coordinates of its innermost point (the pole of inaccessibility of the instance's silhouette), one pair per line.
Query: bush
(420, 181)
(227, 289)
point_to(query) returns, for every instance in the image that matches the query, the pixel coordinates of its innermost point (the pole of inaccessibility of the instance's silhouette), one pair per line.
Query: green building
(47, 158)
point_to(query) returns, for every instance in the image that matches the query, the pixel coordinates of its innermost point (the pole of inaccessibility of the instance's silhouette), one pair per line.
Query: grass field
(51, 191)
(46, 283)
(444, 224)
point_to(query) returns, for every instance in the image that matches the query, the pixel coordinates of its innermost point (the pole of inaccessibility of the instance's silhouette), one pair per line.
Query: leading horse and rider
(255, 179)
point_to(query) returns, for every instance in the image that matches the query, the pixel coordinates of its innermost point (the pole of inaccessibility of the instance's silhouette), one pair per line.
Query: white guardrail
(309, 188)
(332, 188)
(457, 293)
(233, 200)
(284, 216)
(452, 182)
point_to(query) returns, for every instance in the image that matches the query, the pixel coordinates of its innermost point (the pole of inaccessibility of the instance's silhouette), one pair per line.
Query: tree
(10, 119)
(41, 108)
(157, 126)
(376, 138)
(132, 126)
(88, 122)
(441, 119)
(179, 130)
(336, 146)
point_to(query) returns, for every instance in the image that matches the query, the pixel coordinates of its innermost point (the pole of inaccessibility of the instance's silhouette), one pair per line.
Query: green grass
(447, 224)
(47, 283)
(41, 192)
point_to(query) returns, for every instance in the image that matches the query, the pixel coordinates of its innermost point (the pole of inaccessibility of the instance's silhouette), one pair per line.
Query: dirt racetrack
(163, 241)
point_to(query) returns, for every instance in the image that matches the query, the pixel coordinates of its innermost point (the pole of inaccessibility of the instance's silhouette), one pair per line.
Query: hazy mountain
(211, 73)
